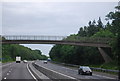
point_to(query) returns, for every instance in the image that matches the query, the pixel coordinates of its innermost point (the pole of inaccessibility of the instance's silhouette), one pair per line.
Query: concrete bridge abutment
(104, 55)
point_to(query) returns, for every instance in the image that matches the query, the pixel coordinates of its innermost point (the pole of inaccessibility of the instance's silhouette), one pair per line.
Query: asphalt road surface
(20, 71)
(74, 72)
(16, 71)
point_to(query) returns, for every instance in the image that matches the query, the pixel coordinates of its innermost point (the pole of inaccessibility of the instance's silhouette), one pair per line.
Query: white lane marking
(103, 76)
(93, 74)
(42, 75)
(7, 73)
(67, 68)
(59, 73)
(31, 73)
(5, 78)
(70, 69)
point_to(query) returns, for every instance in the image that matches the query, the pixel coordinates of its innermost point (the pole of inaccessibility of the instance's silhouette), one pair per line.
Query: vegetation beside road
(80, 55)
(10, 51)
(111, 65)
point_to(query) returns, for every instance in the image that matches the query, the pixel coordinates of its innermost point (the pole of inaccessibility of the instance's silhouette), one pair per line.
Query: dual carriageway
(37, 70)
(48, 72)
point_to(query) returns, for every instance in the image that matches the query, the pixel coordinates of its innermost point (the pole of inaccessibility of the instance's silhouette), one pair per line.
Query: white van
(18, 59)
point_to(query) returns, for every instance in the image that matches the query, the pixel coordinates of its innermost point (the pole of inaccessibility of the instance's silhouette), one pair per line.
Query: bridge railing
(31, 37)
(90, 39)
(59, 38)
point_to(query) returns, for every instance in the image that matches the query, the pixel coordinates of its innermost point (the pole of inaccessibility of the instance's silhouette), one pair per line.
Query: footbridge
(30, 39)
(71, 40)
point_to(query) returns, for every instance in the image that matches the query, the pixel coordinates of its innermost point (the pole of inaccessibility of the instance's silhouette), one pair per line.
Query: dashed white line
(5, 78)
(69, 69)
(31, 73)
(7, 73)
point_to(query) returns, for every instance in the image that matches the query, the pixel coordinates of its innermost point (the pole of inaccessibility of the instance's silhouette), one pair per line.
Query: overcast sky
(50, 18)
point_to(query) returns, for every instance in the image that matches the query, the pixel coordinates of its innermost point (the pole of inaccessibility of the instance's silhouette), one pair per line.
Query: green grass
(7, 61)
(111, 65)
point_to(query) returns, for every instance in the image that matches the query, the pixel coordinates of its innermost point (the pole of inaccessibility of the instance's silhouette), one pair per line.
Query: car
(84, 70)
(45, 62)
(25, 61)
(48, 59)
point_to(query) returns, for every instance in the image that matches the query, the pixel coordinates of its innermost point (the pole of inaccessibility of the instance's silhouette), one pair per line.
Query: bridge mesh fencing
(59, 38)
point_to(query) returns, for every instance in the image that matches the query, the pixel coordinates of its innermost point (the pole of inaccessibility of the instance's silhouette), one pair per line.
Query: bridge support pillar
(104, 55)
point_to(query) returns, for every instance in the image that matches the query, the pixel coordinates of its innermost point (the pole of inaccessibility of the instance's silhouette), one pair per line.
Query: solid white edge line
(31, 73)
(103, 76)
(41, 75)
(59, 73)
(94, 74)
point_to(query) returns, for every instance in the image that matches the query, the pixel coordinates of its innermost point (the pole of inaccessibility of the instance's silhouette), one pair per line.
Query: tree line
(90, 55)
(10, 51)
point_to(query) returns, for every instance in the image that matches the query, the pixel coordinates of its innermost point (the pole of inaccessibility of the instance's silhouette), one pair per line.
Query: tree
(10, 51)
(104, 33)
(100, 24)
(82, 32)
(92, 29)
(85, 55)
(115, 17)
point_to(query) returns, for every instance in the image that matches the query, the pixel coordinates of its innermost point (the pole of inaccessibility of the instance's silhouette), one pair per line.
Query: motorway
(73, 73)
(14, 71)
